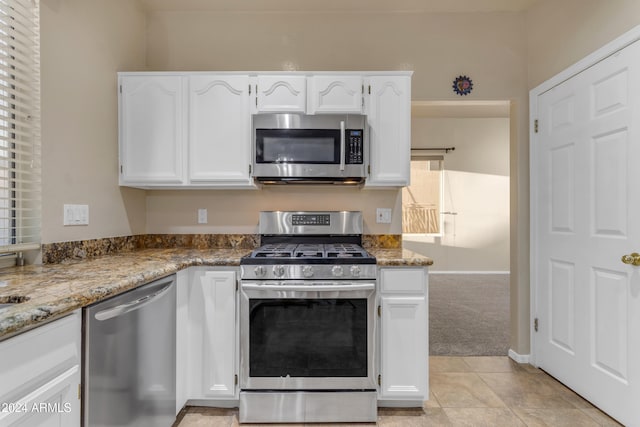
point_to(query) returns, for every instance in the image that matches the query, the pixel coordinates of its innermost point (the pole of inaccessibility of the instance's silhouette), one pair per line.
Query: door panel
(610, 185)
(561, 302)
(562, 172)
(609, 328)
(588, 301)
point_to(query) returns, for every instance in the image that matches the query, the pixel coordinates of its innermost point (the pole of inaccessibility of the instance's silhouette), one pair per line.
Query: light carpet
(468, 314)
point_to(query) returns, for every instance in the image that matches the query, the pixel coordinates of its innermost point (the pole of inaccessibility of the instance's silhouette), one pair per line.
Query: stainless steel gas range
(307, 321)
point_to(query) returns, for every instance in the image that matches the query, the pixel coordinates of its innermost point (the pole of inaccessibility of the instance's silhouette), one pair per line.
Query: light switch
(76, 215)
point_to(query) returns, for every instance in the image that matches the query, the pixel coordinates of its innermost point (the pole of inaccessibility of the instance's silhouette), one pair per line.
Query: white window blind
(20, 183)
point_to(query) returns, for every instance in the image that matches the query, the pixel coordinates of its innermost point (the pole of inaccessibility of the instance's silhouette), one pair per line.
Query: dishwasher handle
(121, 309)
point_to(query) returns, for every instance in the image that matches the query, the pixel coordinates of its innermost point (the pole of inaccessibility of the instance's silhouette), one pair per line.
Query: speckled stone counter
(53, 290)
(399, 257)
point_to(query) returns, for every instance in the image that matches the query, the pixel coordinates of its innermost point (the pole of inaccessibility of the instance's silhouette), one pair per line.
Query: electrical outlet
(383, 216)
(202, 216)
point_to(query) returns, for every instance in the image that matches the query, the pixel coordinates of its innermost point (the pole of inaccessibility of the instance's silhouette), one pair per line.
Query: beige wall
(236, 211)
(438, 47)
(560, 33)
(83, 44)
(476, 187)
(488, 47)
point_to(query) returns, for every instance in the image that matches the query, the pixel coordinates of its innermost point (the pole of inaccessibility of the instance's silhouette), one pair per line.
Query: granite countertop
(54, 290)
(399, 257)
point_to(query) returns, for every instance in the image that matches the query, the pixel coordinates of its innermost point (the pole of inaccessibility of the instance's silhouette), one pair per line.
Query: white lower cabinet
(207, 328)
(40, 372)
(404, 336)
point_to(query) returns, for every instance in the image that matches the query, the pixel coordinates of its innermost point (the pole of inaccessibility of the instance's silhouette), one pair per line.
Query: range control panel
(310, 219)
(353, 147)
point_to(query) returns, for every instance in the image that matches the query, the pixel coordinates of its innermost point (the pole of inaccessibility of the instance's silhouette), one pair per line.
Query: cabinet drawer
(403, 280)
(34, 358)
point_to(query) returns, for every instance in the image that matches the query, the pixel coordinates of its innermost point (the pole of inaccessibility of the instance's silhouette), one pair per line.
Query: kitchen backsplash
(54, 253)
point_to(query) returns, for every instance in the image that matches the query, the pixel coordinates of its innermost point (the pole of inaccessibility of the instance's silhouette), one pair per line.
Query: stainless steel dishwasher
(130, 358)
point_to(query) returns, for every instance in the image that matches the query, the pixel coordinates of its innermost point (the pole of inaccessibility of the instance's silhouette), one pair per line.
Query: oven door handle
(311, 288)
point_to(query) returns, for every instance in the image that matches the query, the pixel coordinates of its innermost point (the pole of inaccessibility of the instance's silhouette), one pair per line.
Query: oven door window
(308, 338)
(313, 146)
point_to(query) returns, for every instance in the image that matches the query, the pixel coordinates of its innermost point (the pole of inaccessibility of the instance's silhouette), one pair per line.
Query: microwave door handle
(342, 146)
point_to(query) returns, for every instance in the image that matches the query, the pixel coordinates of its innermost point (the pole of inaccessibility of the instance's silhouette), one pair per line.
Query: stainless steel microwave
(295, 148)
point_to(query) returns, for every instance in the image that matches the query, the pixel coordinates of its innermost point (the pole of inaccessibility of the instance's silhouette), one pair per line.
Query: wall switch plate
(76, 215)
(202, 216)
(383, 216)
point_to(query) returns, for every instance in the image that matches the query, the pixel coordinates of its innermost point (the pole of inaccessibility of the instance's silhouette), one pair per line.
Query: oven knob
(278, 270)
(307, 271)
(355, 271)
(337, 270)
(259, 271)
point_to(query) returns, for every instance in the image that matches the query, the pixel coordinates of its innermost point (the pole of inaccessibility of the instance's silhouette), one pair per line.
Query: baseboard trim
(468, 272)
(519, 358)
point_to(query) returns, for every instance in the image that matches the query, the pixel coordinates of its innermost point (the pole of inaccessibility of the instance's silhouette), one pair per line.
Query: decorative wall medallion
(462, 85)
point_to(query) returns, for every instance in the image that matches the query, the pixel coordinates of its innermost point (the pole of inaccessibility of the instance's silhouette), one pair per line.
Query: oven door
(307, 335)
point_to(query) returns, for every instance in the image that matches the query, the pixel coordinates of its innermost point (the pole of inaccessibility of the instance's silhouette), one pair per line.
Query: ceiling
(428, 6)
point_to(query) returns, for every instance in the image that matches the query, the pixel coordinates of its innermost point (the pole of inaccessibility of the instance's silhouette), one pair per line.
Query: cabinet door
(40, 374)
(213, 302)
(389, 117)
(282, 94)
(219, 130)
(335, 94)
(151, 130)
(55, 404)
(404, 344)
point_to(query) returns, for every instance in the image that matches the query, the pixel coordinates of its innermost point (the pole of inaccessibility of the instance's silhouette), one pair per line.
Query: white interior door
(586, 171)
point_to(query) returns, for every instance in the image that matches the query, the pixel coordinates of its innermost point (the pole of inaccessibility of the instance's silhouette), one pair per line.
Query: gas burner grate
(307, 250)
(275, 250)
(310, 252)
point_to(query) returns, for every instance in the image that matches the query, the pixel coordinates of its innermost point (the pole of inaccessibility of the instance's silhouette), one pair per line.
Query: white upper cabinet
(219, 130)
(388, 109)
(335, 94)
(152, 125)
(281, 94)
(193, 130)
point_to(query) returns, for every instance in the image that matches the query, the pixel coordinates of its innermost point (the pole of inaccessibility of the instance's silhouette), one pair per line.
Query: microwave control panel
(353, 150)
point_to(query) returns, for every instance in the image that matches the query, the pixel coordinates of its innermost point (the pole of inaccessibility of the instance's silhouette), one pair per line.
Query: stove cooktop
(309, 253)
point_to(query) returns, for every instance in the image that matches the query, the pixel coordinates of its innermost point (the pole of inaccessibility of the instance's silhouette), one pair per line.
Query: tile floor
(466, 391)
